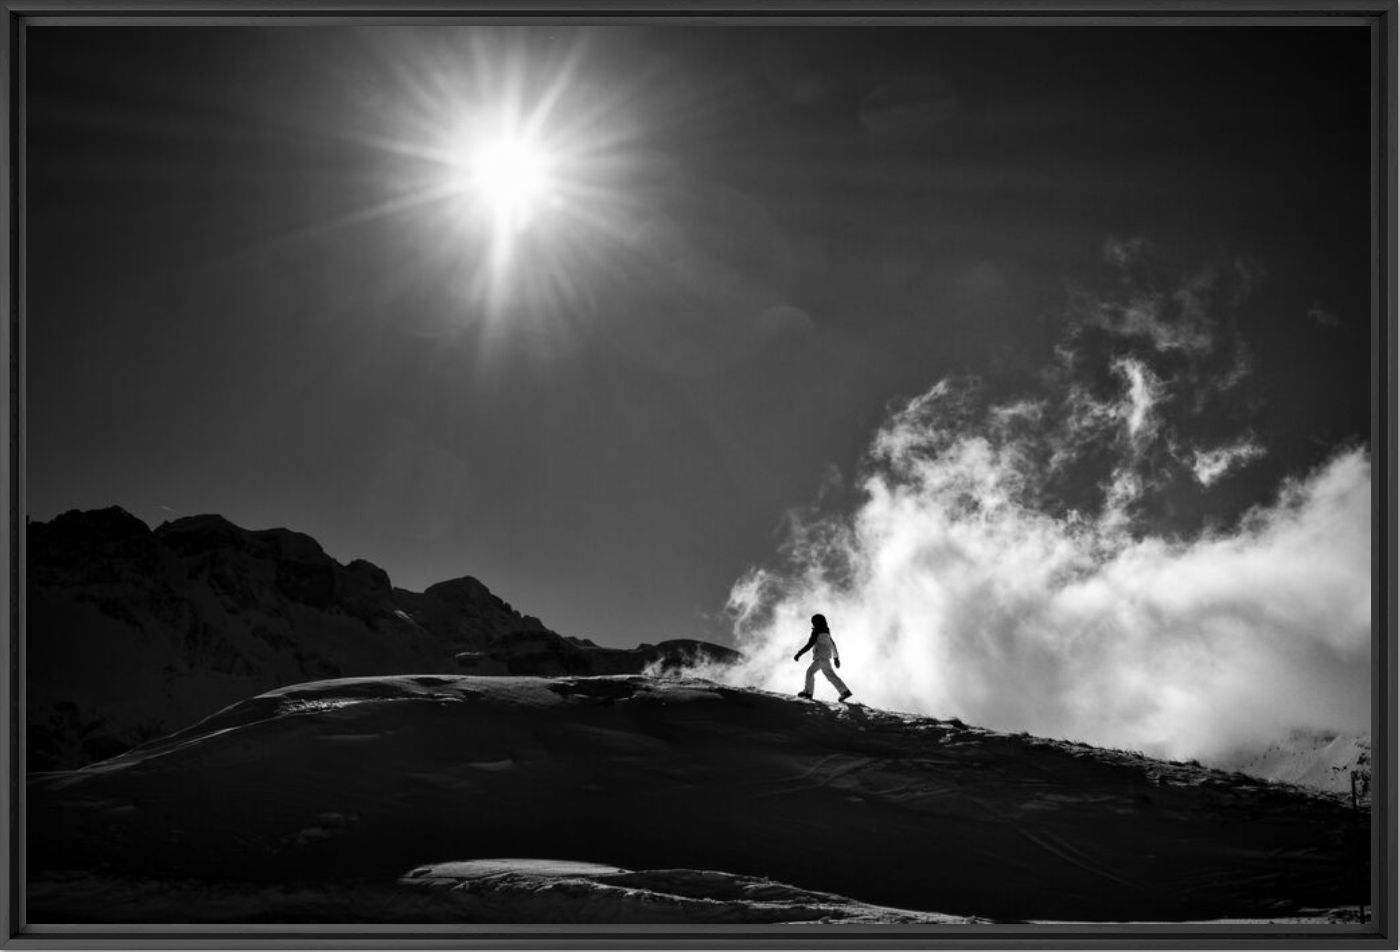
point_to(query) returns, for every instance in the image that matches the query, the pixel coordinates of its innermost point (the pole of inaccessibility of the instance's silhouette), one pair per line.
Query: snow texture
(762, 807)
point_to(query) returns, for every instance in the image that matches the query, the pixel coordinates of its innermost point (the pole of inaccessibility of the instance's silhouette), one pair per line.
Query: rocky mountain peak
(134, 632)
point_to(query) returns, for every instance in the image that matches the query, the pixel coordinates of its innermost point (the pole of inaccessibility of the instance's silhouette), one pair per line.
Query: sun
(511, 176)
(509, 159)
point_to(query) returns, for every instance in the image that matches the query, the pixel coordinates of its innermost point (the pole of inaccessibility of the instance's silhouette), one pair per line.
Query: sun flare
(512, 177)
(512, 172)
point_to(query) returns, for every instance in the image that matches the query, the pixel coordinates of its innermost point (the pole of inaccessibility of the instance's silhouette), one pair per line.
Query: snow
(754, 802)
(485, 868)
(1322, 761)
(519, 891)
(537, 890)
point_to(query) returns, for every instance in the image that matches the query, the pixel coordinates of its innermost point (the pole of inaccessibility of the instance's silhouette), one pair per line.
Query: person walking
(824, 652)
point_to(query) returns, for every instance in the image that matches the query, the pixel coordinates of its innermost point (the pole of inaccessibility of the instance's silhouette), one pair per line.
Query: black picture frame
(1379, 15)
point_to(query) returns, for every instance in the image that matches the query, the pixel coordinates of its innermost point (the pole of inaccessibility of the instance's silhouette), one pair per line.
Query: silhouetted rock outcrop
(134, 632)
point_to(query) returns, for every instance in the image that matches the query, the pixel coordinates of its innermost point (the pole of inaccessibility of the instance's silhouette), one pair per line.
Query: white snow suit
(822, 653)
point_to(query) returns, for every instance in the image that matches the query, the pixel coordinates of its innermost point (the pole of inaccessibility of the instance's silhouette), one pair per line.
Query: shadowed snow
(364, 780)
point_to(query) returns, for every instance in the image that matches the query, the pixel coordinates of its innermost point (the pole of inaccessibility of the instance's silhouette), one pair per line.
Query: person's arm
(810, 642)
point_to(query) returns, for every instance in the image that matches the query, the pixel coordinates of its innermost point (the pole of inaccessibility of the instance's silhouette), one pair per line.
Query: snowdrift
(354, 783)
(515, 890)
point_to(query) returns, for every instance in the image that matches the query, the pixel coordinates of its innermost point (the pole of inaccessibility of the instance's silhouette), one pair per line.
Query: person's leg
(811, 677)
(831, 676)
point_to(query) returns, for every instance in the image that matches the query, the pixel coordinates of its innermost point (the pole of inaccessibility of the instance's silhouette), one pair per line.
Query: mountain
(1323, 760)
(397, 798)
(132, 632)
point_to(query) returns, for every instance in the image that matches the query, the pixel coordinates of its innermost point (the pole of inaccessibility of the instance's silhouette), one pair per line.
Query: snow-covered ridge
(344, 782)
(1340, 763)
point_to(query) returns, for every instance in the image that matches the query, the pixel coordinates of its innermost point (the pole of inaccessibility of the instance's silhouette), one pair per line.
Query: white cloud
(1145, 391)
(959, 586)
(1169, 323)
(963, 602)
(1172, 313)
(1212, 464)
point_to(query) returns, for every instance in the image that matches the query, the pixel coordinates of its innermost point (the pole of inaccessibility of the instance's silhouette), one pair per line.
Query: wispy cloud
(1175, 318)
(1209, 465)
(997, 566)
(1144, 392)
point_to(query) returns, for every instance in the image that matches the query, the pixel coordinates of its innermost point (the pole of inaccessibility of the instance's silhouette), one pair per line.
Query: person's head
(819, 623)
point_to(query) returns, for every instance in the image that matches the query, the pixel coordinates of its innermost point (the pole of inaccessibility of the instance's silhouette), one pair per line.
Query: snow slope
(356, 783)
(1323, 761)
(477, 892)
(522, 890)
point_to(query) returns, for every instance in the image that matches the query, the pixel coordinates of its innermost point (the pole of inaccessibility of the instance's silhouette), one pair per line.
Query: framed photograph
(615, 475)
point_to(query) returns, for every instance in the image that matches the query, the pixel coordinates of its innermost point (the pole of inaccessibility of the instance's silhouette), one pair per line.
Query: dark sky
(237, 302)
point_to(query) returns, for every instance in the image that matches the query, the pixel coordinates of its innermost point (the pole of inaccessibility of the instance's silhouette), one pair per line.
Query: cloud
(1172, 319)
(997, 566)
(950, 598)
(1180, 316)
(1147, 381)
(1212, 464)
(1145, 391)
